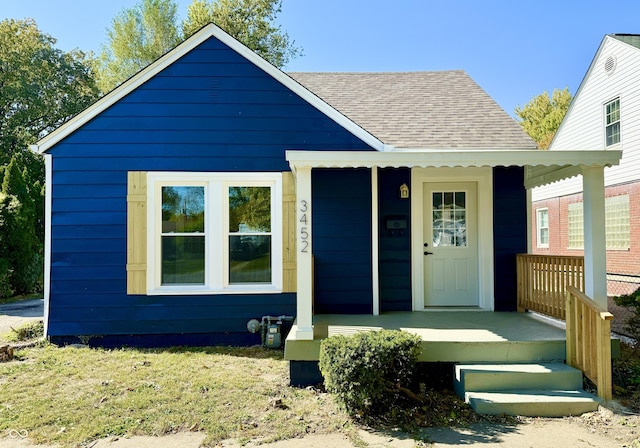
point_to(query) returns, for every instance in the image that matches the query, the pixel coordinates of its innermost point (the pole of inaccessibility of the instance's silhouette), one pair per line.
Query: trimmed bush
(365, 371)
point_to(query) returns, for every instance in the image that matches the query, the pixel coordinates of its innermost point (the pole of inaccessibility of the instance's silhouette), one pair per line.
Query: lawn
(73, 395)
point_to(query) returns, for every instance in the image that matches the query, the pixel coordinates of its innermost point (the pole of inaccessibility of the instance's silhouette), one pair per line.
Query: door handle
(428, 253)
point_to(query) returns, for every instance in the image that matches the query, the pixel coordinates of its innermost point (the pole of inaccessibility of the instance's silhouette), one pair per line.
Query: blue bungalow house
(212, 188)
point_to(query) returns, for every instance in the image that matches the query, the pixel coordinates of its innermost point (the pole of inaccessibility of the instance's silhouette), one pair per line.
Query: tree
(22, 252)
(541, 117)
(150, 29)
(252, 22)
(41, 87)
(138, 37)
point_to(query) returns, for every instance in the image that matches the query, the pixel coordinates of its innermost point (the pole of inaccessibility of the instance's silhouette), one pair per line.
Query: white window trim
(606, 126)
(538, 227)
(216, 277)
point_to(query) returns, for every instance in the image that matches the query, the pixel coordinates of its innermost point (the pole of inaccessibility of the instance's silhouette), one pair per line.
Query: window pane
(249, 209)
(613, 134)
(437, 201)
(183, 260)
(449, 219)
(544, 236)
(182, 209)
(250, 259)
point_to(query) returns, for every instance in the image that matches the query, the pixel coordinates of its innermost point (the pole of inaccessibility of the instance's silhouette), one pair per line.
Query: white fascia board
(185, 47)
(451, 158)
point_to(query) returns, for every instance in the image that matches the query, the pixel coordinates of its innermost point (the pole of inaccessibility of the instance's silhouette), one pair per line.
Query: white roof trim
(205, 33)
(567, 163)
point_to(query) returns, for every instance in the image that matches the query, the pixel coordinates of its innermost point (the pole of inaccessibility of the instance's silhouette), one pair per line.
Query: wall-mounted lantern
(404, 191)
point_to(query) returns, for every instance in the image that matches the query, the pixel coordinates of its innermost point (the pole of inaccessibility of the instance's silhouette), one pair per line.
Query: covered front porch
(389, 241)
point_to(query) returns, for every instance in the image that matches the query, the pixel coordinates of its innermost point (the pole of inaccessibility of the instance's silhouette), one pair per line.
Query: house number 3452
(304, 229)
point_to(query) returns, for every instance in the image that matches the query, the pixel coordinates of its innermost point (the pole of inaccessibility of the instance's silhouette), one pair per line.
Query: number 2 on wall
(304, 230)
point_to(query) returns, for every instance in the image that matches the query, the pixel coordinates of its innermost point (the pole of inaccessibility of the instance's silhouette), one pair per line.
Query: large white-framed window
(617, 223)
(542, 227)
(214, 233)
(612, 122)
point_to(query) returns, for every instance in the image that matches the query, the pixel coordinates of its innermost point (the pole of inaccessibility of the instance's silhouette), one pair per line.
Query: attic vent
(610, 65)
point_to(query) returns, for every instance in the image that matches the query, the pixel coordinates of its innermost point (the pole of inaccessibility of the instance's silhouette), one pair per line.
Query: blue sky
(514, 50)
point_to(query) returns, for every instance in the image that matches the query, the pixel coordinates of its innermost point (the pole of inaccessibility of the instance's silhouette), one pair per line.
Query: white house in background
(604, 114)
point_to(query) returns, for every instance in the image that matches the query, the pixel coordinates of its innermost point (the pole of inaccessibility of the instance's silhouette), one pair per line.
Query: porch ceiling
(542, 167)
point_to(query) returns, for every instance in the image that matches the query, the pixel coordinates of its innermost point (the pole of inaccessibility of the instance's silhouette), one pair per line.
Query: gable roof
(433, 110)
(629, 39)
(185, 47)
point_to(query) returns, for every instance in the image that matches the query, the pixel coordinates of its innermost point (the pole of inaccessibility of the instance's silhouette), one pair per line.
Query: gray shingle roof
(631, 39)
(437, 110)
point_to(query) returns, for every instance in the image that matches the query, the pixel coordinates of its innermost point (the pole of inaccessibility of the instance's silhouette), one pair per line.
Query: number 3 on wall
(304, 230)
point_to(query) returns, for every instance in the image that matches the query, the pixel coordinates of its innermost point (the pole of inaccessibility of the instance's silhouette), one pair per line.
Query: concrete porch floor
(448, 336)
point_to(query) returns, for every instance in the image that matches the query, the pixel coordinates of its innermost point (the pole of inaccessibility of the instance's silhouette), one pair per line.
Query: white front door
(450, 235)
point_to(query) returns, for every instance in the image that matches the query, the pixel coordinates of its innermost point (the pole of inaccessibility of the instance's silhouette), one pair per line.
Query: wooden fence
(543, 282)
(589, 340)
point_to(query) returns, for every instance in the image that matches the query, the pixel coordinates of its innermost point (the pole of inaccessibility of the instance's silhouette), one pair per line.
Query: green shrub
(366, 370)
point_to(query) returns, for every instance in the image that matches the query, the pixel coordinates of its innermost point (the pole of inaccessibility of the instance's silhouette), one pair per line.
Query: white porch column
(595, 243)
(304, 305)
(375, 254)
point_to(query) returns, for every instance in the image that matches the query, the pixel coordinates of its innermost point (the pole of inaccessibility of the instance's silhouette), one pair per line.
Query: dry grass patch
(73, 395)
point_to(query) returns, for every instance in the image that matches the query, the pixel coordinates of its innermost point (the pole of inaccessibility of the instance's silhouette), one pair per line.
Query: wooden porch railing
(589, 340)
(543, 279)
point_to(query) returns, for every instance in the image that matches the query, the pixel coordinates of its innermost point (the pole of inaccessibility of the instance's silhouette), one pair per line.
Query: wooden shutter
(137, 232)
(288, 232)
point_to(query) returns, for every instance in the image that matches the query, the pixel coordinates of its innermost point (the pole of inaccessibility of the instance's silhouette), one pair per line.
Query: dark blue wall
(509, 232)
(395, 245)
(341, 235)
(210, 111)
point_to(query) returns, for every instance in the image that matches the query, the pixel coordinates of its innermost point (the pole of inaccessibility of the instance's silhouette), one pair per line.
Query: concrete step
(497, 377)
(533, 403)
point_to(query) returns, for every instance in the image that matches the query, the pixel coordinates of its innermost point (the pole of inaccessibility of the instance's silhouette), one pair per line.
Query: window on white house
(214, 232)
(612, 122)
(617, 223)
(542, 224)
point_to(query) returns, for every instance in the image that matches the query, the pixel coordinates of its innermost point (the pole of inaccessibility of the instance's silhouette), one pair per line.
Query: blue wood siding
(210, 111)
(509, 232)
(395, 245)
(341, 207)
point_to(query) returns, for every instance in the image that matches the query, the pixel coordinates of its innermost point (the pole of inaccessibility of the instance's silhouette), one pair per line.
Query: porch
(499, 351)
(448, 336)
